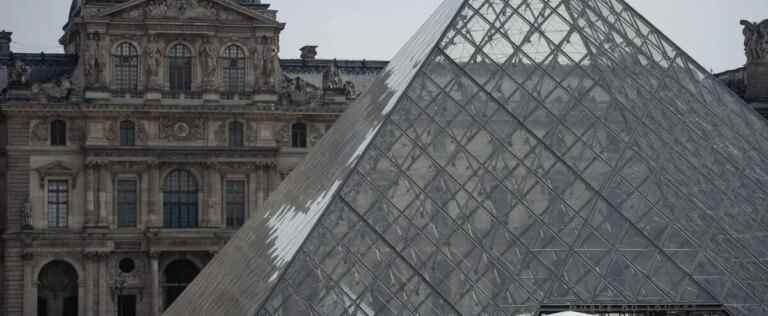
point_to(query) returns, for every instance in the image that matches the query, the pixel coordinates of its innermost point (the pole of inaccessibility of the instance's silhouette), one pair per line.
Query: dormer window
(234, 69)
(126, 67)
(58, 133)
(180, 68)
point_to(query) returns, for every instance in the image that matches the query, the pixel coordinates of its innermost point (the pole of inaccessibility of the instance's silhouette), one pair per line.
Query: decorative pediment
(195, 9)
(57, 169)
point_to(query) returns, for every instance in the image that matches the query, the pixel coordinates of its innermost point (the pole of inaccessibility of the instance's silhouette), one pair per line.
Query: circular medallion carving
(181, 129)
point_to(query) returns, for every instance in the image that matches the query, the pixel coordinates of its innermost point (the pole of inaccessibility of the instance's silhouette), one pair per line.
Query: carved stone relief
(153, 56)
(332, 78)
(17, 73)
(182, 129)
(39, 132)
(181, 8)
(756, 41)
(76, 131)
(298, 92)
(283, 134)
(220, 134)
(315, 134)
(266, 64)
(92, 61)
(208, 62)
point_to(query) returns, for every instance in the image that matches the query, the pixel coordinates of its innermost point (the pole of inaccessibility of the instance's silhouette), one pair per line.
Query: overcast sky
(709, 30)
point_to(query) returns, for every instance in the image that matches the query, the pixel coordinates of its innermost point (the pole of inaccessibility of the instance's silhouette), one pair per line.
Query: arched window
(126, 67)
(58, 133)
(236, 134)
(180, 194)
(127, 133)
(176, 277)
(234, 69)
(180, 68)
(57, 289)
(299, 135)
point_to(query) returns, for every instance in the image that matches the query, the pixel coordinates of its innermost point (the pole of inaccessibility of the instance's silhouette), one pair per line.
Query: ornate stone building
(751, 81)
(130, 159)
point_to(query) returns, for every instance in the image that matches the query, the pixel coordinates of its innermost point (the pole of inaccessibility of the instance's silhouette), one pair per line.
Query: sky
(708, 30)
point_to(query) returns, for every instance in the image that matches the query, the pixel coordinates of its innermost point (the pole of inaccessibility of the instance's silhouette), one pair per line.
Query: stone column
(156, 294)
(261, 187)
(91, 271)
(144, 196)
(214, 198)
(104, 296)
(253, 194)
(104, 187)
(30, 286)
(90, 196)
(155, 213)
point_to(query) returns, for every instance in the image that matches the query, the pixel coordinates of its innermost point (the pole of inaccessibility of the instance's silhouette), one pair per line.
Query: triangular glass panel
(515, 153)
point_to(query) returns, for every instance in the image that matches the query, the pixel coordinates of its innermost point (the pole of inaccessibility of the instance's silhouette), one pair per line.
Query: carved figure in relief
(332, 78)
(266, 64)
(154, 58)
(755, 40)
(157, 8)
(350, 91)
(40, 132)
(208, 58)
(17, 73)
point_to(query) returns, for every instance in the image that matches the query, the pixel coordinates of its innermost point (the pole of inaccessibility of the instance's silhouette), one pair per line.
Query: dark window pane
(126, 68)
(299, 135)
(180, 68)
(127, 133)
(58, 133)
(126, 305)
(234, 69)
(57, 203)
(180, 194)
(235, 202)
(236, 134)
(126, 203)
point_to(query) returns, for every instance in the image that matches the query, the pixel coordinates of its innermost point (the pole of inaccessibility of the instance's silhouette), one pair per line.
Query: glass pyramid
(516, 154)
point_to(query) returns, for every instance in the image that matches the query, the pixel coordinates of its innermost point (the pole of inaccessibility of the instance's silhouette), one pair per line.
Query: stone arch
(58, 289)
(177, 274)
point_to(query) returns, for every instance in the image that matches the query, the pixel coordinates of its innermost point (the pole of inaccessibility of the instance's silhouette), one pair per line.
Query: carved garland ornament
(182, 129)
(40, 132)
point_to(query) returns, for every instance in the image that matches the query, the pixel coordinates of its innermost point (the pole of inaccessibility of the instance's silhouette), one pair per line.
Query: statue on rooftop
(755, 40)
(17, 73)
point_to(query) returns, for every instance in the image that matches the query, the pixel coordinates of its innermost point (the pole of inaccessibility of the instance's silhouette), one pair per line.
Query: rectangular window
(58, 203)
(127, 202)
(126, 305)
(235, 203)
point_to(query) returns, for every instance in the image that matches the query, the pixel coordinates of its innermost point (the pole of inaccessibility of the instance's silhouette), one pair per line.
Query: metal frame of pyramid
(515, 154)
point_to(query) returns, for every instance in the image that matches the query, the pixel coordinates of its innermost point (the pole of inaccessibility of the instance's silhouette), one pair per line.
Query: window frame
(59, 220)
(234, 61)
(184, 203)
(124, 139)
(230, 221)
(238, 141)
(180, 67)
(126, 69)
(58, 133)
(136, 200)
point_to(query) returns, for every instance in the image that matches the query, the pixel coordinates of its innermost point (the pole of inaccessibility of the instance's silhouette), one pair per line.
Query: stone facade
(751, 81)
(79, 128)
